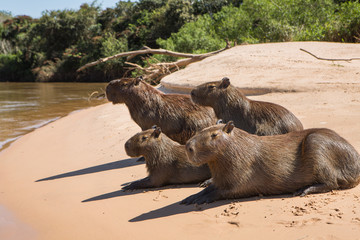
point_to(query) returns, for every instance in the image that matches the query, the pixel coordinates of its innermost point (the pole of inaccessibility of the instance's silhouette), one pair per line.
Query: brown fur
(243, 165)
(177, 116)
(256, 117)
(165, 159)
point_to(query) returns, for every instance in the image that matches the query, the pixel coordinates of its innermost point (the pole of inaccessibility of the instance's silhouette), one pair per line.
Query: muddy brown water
(25, 107)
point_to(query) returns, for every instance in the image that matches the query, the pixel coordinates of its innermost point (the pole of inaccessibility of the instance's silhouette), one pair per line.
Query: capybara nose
(127, 146)
(108, 92)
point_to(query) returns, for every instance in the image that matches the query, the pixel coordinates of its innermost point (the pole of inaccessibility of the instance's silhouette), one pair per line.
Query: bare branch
(152, 51)
(330, 59)
(134, 65)
(156, 71)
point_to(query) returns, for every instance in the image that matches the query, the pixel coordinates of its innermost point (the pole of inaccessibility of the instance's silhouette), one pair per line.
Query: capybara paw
(206, 183)
(130, 187)
(205, 198)
(127, 188)
(198, 199)
(301, 192)
(188, 200)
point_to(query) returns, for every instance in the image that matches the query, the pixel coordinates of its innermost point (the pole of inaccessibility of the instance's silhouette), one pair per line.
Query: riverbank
(64, 179)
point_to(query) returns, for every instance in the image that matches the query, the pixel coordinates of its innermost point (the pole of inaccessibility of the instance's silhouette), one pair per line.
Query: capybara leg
(317, 188)
(207, 197)
(142, 183)
(206, 183)
(192, 199)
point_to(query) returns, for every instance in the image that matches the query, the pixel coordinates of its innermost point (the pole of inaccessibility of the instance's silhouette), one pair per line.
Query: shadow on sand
(120, 193)
(177, 208)
(114, 194)
(100, 168)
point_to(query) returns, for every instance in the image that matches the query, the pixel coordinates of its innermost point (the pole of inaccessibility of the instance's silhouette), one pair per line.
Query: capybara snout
(111, 90)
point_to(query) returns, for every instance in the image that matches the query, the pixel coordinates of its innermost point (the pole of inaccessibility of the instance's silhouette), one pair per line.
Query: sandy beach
(63, 181)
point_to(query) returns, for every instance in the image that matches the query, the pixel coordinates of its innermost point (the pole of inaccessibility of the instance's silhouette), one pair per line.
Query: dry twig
(329, 59)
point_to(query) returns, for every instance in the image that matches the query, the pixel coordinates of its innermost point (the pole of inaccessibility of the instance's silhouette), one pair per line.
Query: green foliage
(256, 21)
(12, 68)
(16, 29)
(233, 24)
(289, 20)
(196, 37)
(110, 45)
(58, 30)
(346, 27)
(213, 6)
(52, 47)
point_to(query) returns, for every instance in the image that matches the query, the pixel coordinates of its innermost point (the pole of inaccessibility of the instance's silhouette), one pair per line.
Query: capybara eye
(214, 135)
(144, 138)
(211, 87)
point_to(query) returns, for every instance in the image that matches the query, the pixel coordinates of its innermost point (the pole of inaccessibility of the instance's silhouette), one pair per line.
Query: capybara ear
(228, 127)
(156, 132)
(225, 82)
(138, 80)
(219, 121)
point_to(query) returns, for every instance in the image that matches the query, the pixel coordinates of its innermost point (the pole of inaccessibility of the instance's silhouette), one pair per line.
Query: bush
(346, 27)
(12, 68)
(258, 21)
(233, 24)
(109, 46)
(194, 37)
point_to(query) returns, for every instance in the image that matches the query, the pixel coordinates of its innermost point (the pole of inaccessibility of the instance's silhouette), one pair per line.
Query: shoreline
(64, 180)
(7, 142)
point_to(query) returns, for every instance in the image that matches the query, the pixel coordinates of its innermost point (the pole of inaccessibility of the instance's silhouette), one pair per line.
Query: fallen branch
(329, 59)
(195, 57)
(135, 65)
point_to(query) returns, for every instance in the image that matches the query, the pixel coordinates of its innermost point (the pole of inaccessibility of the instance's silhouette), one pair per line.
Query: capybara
(244, 165)
(177, 116)
(165, 159)
(256, 117)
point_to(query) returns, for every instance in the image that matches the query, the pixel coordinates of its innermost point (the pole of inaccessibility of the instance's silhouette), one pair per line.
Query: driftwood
(329, 59)
(155, 72)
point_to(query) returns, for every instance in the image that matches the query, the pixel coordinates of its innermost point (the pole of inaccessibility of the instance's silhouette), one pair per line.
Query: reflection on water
(27, 106)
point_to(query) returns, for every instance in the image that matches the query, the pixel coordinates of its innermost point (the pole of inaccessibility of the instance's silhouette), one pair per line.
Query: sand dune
(64, 180)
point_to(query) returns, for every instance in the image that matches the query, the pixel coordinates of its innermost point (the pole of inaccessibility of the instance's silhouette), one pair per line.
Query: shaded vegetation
(52, 47)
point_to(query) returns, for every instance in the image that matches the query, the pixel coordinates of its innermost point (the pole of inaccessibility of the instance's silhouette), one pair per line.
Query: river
(27, 106)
